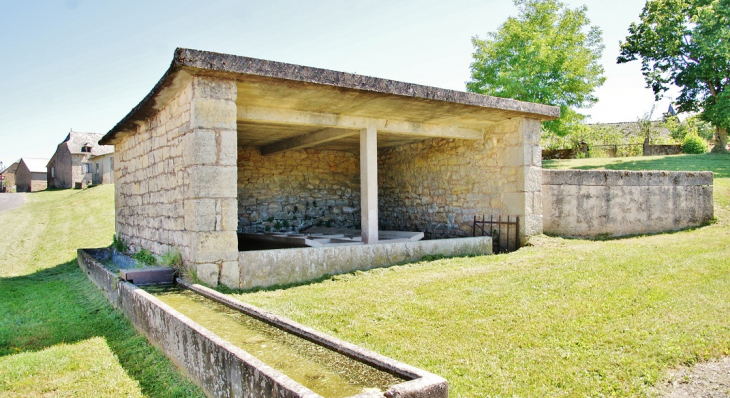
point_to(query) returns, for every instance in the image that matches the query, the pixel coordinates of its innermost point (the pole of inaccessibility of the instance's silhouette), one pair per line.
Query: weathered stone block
(516, 156)
(561, 177)
(206, 87)
(229, 214)
(514, 203)
(533, 225)
(231, 274)
(591, 177)
(624, 178)
(211, 182)
(208, 273)
(537, 203)
(213, 114)
(227, 148)
(529, 179)
(213, 247)
(200, 215)
(694, 178)
(200, 147)
(532, 131)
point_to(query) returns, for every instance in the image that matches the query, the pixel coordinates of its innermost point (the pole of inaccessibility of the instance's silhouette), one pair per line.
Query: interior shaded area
(318, 237)
(294, 190)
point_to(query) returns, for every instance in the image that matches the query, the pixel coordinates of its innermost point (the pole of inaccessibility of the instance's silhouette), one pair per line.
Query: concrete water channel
(232, 349)
(326, 372)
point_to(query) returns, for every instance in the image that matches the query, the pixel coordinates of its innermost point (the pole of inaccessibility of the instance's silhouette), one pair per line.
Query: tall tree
(547, 54)
(686, 43)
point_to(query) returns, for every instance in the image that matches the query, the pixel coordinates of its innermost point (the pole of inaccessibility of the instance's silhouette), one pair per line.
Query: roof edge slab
(188, 62)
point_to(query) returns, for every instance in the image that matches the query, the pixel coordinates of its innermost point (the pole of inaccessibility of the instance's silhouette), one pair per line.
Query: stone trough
(222, 369)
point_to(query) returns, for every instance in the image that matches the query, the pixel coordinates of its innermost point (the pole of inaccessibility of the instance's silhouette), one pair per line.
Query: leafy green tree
(686, 43)
(547, 54)
(690, 125)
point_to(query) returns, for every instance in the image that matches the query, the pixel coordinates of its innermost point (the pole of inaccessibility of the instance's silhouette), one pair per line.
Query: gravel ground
(11, 200)
(704, 380)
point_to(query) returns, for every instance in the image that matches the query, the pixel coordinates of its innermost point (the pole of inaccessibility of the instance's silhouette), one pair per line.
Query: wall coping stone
(625, 177)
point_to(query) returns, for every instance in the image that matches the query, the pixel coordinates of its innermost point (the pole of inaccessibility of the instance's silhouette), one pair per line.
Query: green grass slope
(58, 335)
(561, 318)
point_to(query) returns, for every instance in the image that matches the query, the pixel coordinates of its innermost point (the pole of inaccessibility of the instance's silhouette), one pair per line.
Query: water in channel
(326, 372)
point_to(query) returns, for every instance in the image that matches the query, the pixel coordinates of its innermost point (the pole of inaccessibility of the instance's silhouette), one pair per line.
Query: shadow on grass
(60, 305)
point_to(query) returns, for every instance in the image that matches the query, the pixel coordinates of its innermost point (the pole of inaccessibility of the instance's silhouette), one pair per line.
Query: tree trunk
(720, 140)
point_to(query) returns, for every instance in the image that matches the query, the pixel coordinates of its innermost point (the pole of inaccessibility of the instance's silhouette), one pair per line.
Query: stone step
(148, 275)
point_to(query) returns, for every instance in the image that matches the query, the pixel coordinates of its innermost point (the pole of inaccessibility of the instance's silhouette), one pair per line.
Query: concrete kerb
(224, 370)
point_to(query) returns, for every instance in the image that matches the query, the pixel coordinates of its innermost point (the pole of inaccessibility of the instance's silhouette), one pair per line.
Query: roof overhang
(284, 106)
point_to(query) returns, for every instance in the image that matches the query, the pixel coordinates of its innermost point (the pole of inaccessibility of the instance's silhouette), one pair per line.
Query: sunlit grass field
(560, 318)
(59, 337)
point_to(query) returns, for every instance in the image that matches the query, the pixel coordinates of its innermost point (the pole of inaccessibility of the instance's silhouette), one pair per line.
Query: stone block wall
(61, 176)
(22, 179)
(438, 186)
(661, 150)
(176, 179)
(38, 182)
(292, 190)
(591, 203)
(26, 181)
(9, 182)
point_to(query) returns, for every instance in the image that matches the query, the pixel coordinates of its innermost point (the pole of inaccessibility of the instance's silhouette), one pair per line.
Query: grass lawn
(58, 335)
(560, 318)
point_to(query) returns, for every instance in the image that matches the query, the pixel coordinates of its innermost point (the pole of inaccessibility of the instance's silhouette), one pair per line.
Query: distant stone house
(9, 177)
(71, 165)
(31, 175)
(102, 167)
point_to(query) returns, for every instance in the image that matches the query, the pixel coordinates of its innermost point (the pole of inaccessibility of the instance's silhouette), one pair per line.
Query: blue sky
(84, 64)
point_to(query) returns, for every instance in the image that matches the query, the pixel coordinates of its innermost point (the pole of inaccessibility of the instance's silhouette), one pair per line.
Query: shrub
(119, 244)
(145, 257)
(694, 144)
(172, 259)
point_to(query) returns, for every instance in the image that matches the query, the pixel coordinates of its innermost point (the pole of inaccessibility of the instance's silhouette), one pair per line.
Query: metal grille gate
(504, 238)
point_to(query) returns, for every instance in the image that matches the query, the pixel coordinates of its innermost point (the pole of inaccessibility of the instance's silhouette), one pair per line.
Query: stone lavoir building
(225, 145)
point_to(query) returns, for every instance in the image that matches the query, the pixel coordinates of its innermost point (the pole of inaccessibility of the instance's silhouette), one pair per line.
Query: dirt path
(704, 380)
(10, 201)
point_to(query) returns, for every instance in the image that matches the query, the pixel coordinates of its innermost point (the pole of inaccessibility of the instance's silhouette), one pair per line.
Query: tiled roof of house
(11, 169)
(77, 140)
(35, 165)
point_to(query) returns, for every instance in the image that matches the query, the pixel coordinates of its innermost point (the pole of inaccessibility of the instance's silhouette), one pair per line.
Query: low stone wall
(224, 370)
(589, 203)
(265, 268)
(662, 150)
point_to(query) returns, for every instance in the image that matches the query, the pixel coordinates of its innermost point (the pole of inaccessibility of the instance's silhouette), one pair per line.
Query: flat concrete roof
(264, 85)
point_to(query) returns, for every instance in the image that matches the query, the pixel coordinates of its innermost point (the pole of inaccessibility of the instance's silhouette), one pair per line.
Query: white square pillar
(369, 184)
